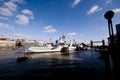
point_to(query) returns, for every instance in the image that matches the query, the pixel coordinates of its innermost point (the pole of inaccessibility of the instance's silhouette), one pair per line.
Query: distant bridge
(99, 48)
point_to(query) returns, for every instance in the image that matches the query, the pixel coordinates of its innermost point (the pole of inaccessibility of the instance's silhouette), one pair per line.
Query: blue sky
(82, 20)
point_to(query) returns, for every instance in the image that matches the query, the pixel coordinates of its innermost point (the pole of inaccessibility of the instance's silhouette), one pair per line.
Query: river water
(81, 65)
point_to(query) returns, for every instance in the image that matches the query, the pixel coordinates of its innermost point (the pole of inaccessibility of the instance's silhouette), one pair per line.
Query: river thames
(81, 65)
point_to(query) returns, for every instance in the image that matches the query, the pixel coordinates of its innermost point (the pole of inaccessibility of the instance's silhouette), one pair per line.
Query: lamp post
(109, 70)
(109, 15)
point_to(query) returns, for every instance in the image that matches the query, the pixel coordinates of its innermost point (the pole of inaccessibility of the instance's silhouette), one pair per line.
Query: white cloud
(31, 17)
(108, 1)
(49, 29)
(75, 2)
(6, 26)
(22, 36)
(71, 34)
(22, 19)
(117, 10)
(8, 8)
(27, 11)
(94, 9)
(5, 12)
(11, 6)
(25, 17)
(18, 1)
(3, 18)
(82, 35)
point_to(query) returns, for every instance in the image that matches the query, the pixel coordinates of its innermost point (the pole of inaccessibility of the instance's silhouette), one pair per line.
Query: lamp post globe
(109, 15)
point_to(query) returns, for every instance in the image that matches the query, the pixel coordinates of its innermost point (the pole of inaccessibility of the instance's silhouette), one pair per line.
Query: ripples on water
(78, 65)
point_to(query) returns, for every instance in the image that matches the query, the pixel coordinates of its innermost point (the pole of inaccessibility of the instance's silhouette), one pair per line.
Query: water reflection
(55, 55)
(83, 64)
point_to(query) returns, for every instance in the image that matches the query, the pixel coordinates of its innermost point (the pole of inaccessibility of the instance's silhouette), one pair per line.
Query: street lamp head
(109, 14)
